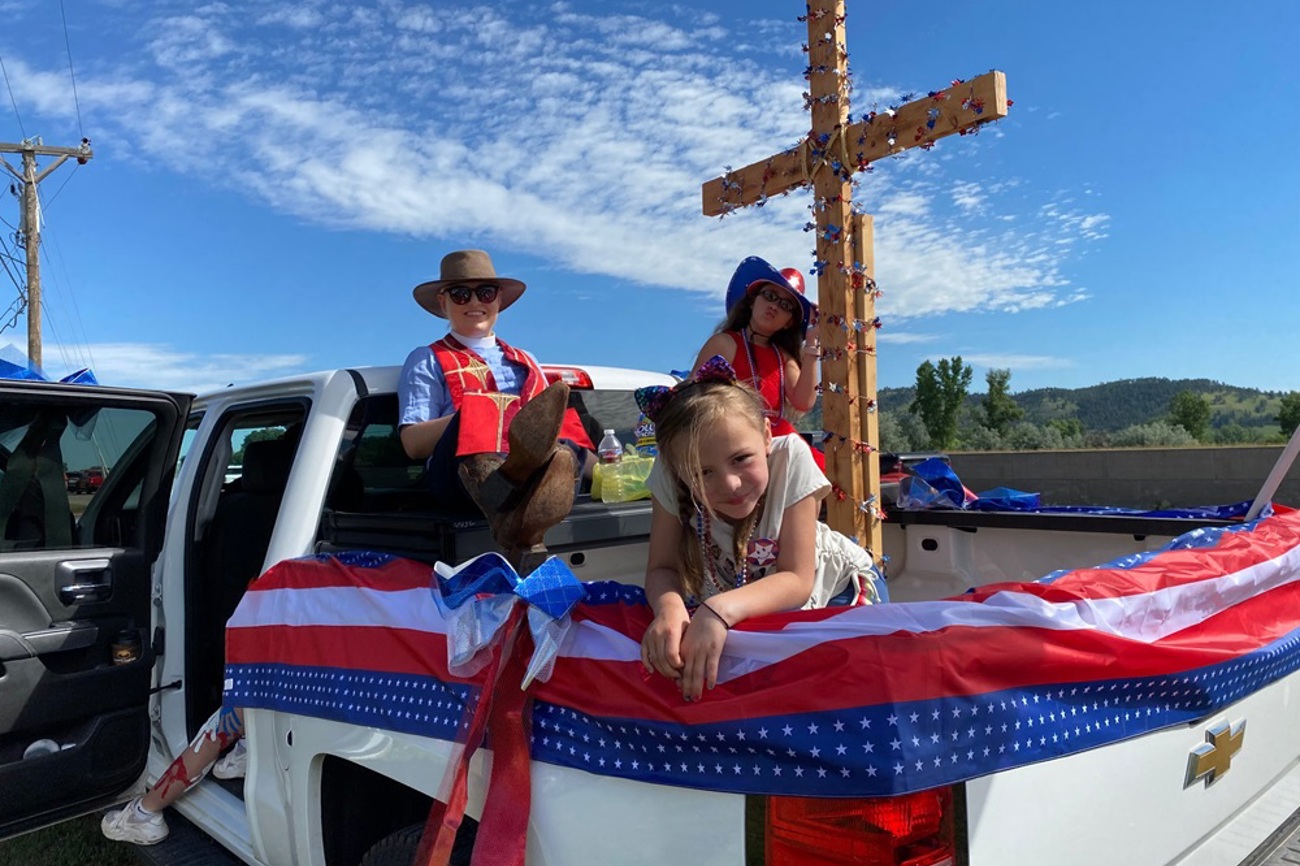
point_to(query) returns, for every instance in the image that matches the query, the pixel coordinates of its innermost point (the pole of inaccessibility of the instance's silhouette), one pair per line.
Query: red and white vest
(486, 413)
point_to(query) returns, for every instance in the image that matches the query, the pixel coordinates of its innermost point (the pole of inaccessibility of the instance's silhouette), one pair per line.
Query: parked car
(73, 479)
(89, 480)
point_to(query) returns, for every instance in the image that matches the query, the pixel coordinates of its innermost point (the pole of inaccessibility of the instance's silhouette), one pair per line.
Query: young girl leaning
(734, 532)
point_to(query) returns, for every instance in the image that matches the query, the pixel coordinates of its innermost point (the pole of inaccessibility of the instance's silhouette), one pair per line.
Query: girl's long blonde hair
(679, 430)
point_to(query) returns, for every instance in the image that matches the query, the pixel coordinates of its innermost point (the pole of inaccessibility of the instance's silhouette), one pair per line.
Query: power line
(67, 42)
(13, 101)
(45, 203)
(75, 350)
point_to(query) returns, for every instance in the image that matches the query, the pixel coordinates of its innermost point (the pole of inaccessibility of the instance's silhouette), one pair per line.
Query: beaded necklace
(704, 532)
(779, 412)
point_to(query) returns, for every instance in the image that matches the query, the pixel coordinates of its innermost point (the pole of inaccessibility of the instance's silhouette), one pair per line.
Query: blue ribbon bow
(477, 596)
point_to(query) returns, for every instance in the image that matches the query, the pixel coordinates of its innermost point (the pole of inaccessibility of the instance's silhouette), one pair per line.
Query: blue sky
(271, 179)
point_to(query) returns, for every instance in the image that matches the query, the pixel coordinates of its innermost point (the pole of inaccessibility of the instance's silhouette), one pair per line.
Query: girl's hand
(661, 644)
(811, 343)
(701, 649)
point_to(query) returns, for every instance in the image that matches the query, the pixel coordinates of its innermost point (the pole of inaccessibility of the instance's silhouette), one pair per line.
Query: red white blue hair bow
(653, 398)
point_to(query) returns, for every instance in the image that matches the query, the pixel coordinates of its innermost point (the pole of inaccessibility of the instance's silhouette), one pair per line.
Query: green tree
(940, 392)
(1288, 414)
(1000, 409)
(1190, 411)
(1067, 427)
(1157, 434)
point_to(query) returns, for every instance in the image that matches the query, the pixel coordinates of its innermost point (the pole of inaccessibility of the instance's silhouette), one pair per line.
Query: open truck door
(76, 636)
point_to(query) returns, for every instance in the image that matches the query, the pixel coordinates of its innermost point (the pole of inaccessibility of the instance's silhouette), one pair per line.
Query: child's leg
(221, 730)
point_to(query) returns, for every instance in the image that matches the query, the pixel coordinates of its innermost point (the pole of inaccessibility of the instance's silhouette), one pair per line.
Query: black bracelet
(726, 625)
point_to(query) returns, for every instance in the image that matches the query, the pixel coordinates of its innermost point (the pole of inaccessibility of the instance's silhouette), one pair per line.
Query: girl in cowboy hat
(766, 337)
(731, 504)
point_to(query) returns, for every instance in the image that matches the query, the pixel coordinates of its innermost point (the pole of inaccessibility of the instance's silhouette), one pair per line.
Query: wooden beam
(955, 110)
(864, 254)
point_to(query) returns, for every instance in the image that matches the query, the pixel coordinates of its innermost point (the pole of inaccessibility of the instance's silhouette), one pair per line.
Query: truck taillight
(571, 376)
(908, 830)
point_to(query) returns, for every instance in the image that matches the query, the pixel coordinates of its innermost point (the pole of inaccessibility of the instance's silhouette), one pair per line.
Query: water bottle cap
(609, 431)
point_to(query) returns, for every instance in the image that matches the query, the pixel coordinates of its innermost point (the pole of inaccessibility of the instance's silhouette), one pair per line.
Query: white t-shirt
(792, 476)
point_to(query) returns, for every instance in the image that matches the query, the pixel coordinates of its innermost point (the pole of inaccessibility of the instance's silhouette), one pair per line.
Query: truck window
(604, 410)
(54, 461)
(373, 474)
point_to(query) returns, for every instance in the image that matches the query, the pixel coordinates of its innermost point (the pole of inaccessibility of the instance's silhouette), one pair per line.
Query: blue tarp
(10, 370)
(934, 485)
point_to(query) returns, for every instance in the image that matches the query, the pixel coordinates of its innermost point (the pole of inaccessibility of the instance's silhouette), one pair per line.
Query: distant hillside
(1112, 406)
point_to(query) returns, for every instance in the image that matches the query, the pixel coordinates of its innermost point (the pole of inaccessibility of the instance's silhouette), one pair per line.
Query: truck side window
(372, 472)
(54, 461)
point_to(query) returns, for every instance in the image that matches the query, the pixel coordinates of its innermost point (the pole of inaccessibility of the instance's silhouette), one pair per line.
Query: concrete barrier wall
(1132, 478)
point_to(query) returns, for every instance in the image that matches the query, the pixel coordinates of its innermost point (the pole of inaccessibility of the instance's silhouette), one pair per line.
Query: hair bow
(653, 398)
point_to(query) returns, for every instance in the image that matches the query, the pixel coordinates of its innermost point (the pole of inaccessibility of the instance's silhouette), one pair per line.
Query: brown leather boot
(547, 501)
(540, 503)
(496, 485)
(533, 432)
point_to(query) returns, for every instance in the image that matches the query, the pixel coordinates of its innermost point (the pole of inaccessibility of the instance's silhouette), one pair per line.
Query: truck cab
(159, 554)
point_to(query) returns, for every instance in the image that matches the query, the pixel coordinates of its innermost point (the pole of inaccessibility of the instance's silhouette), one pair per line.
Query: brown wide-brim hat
(466, 267)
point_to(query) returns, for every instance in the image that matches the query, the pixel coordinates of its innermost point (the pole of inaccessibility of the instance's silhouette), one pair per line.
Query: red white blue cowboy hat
(753, 272)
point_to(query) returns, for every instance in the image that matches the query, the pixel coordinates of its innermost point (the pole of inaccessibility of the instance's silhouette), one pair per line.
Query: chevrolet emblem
(1213, 758)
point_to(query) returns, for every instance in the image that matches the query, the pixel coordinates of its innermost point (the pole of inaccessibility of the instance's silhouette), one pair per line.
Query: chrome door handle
(85, 580)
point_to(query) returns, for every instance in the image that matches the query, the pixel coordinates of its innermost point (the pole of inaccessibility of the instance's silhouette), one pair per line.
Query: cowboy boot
(532, 434)
(546, 501)
(541, 503)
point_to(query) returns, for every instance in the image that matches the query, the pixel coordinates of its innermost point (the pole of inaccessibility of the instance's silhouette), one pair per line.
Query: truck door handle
(85, 580)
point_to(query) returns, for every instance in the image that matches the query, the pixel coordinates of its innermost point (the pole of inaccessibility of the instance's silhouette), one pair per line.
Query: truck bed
(430, 535)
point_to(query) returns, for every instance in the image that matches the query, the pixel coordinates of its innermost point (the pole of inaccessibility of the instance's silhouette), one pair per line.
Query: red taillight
(571, 376)
(907, 830)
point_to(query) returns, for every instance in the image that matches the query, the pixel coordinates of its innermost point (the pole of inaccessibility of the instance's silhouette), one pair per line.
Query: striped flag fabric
(850, 701)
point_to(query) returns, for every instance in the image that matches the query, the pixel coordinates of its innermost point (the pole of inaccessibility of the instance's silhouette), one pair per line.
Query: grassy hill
(1112, 406)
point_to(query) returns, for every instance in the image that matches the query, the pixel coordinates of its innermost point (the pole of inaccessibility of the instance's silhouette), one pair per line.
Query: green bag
(623, 481)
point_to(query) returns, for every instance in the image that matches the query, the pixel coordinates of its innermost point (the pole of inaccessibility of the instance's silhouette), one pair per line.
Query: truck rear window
(372, 473)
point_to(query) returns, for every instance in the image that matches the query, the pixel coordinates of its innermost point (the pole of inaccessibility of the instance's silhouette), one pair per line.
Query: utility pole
(29, 228)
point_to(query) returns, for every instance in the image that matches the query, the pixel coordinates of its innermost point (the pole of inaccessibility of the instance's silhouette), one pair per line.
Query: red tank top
(768, 379)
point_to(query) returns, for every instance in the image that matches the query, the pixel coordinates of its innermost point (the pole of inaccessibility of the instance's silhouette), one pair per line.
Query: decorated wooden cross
(833, 151)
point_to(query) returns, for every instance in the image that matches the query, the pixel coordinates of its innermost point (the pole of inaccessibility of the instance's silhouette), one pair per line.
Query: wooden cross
(827, 159)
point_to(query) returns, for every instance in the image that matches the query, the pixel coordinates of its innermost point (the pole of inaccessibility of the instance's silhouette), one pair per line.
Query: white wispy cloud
(543, 129)
(901, 338)
(143, 365)
(1012, 361)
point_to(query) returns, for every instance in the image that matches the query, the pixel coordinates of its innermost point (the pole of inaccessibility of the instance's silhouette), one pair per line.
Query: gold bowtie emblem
(1213, 758)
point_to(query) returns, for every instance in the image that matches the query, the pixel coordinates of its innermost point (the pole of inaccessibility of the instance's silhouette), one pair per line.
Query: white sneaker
(234, 764)
(130, 824)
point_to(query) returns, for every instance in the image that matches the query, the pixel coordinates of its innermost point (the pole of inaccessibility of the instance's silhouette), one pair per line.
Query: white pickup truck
(146, 571)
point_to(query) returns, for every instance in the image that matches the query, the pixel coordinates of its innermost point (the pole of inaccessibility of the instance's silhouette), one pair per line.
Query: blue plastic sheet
(936, 486)
(10, 370)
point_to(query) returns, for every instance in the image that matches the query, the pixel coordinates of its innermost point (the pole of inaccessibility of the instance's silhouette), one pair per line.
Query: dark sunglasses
(460, 294)
(772, 297)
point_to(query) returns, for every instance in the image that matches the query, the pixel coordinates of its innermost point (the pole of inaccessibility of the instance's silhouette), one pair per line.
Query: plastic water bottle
(610, 450)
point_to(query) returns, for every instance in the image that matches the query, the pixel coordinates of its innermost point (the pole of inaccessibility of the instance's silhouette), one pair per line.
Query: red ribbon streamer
(503, 713)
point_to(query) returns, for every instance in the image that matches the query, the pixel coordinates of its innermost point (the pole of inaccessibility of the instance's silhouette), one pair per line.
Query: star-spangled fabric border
(1090, 658)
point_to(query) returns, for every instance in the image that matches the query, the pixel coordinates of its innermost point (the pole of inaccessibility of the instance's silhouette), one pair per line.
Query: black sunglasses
(486, 293)
(786, 304)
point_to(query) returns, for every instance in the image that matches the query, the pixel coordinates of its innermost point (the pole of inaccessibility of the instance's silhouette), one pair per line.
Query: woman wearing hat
(481, 415)
(767, 339)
